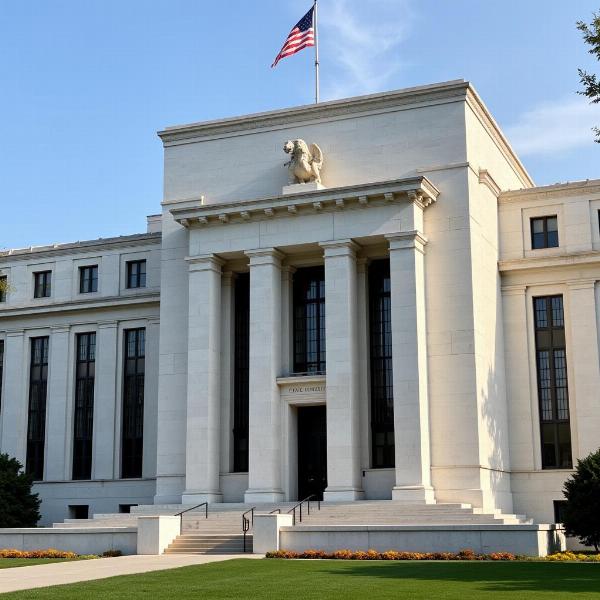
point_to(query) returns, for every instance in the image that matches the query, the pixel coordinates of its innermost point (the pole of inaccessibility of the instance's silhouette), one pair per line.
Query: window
(36, 424)
(241, 372)
(553, 393)
(309, 320)
(133, 403)
(1, 369)
(79, 511)
(544, 232)
(136, 274)
(88, 279)
(42, 284)
(125, 509)
(85, 364)
(3, 288)
(382, 388)
(559, 510)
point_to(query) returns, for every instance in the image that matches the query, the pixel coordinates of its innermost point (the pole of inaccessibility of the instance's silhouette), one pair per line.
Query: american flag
(301, 36)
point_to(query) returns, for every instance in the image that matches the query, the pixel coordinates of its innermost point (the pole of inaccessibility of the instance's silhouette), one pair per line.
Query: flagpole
(316, 56)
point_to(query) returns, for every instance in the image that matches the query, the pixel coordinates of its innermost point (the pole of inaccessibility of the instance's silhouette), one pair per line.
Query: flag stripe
(301, 36)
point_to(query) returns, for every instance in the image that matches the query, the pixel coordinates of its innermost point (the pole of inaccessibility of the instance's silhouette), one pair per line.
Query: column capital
(405, 240)
(15, 333)
(582, 284)
(108, 324)
(514, 290)
(60, 329)
(264, 256)
(205, 262)
(227, 277)
(362, 263)
(339, 248)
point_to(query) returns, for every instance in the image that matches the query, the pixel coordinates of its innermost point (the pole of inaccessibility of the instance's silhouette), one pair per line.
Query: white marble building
(411, 329)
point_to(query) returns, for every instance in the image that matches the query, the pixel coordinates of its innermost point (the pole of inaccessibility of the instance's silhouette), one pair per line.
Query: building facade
(422, 326)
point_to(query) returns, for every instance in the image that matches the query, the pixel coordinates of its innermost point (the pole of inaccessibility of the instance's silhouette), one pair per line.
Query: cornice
(486, 179)
(418, 190)
(288, 117)
(575, 259)
(69, 249)
(558, 190)
(80, 305)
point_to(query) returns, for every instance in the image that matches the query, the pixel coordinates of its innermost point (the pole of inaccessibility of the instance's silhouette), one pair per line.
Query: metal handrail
(246, 523)
(180, 514)
(277, 510)
(299, 506)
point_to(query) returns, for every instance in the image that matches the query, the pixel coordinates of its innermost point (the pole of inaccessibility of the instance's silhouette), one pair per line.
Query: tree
(581, 517)
(590, 82)
(19, 507)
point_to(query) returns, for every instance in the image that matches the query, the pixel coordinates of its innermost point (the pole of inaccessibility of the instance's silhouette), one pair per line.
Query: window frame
(550, 339)
(544, 219)
(37, 407)
(83, 409)
(3, 293)
(91, 281)
(42, 284)
(380, 364)
(138, 279)
(303, 323)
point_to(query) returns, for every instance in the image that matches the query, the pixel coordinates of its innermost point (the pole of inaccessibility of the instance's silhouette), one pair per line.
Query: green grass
(9, 563)
(305, 580)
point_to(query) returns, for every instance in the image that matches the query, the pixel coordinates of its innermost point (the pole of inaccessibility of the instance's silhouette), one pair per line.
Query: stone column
(14, 397)
(227, 378)
(151, 398)
(264, 474)
(363, 358)
(58, 438)
(409, 358)
(584, 363)
(341, 329)
(204, 381)
(287, 344)
(105, 402)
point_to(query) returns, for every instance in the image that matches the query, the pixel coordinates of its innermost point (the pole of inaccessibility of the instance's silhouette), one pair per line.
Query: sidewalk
(23, 578)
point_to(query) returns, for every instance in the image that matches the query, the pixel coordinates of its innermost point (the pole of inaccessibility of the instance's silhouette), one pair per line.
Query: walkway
(36, 576)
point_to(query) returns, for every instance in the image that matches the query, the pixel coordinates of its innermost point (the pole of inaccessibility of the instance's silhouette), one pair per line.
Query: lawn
(305, 580)
(9, 563)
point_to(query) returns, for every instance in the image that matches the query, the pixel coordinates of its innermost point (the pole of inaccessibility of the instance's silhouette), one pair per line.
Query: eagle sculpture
(305, 163)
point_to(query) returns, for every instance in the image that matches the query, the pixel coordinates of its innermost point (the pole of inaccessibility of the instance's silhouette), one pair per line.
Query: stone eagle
(305, 163)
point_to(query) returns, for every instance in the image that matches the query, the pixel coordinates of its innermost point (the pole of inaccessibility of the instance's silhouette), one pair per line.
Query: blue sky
(85, 84)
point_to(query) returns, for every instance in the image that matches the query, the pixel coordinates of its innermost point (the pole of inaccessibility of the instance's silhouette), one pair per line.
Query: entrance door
(312, 451)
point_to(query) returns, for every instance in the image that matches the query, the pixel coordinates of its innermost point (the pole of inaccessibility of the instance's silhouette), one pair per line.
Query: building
(423, 326)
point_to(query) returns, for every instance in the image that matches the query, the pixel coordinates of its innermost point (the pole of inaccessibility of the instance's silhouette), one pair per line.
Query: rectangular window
(309, 320)
(559, 510)
(544, 232)
(136, 274)
(1, 369)
(382, 387)
(85, 372)
(133, 403)
(553, 391)
(36, 424)
(241, 372)
(42, 284)
(88, 279)
(3, 286)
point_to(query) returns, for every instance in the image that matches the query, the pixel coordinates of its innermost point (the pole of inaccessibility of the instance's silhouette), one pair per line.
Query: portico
(331, 229)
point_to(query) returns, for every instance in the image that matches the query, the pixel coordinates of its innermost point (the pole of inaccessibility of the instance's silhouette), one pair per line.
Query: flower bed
(49, 553)
(391, 555)
(397, 555)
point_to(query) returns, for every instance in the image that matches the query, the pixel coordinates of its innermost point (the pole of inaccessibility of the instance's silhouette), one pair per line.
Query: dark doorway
(312, 451)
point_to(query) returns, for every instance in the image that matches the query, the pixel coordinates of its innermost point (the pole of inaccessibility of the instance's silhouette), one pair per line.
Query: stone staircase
(221, 532)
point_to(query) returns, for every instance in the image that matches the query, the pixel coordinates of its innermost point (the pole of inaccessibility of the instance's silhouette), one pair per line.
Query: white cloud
(358, 44)
(554, 127)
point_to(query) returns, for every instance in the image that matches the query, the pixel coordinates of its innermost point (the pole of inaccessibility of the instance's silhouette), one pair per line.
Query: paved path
(23, 578)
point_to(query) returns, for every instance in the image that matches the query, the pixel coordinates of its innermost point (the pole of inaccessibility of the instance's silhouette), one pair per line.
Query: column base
(263, 496)
(413, 494)
(338, 494)
(193, 497)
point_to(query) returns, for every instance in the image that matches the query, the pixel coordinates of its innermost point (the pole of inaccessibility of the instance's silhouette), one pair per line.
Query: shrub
(582, 510)
(19, 507)
(390, 555)
(49, 553)
(111, 553)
